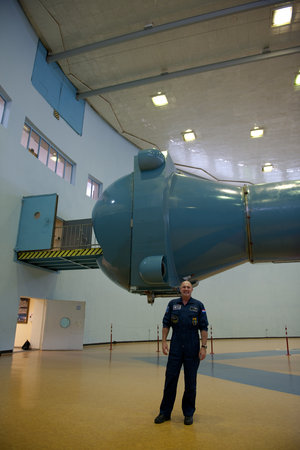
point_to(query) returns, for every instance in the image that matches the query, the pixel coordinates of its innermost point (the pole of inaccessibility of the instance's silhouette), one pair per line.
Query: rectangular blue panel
(46, 78)
(50, 81)
(37, 221)
(71, 111)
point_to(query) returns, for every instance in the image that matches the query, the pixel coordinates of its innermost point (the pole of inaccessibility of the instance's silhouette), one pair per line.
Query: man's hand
(165, 348)
(202, 353)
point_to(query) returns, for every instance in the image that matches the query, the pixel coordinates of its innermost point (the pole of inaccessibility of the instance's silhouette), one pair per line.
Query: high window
(93, 188)
(2, 108)
(5, 104)
(39, 146)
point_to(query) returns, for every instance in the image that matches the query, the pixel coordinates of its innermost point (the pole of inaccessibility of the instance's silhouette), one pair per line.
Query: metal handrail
(74, 236)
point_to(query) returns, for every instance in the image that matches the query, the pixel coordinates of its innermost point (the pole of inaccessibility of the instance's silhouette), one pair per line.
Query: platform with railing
(74, 247)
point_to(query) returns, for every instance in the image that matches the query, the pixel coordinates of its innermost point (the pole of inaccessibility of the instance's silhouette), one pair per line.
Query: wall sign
(23, 310)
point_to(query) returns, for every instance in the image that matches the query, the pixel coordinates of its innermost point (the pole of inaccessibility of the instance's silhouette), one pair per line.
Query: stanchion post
(287, 343)
(111, 336)
(211, 342)
(157, 351)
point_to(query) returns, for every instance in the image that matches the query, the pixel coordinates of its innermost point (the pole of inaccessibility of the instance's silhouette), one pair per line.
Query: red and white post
(287, 343)
(111, 336)
(157, 339)
(211, 342)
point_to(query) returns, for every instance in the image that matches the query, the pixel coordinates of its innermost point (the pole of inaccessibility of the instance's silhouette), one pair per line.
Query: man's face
(186, 289)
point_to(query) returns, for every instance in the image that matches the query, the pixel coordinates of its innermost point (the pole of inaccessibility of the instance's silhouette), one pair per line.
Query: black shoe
(161, 418)
(188, 420)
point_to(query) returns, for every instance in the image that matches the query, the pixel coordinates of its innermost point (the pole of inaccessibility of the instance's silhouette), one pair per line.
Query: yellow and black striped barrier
(79, 258)
(37, 254)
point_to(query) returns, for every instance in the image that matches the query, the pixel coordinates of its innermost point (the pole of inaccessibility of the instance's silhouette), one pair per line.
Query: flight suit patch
(174, 319)
(176, 307)
(194, 321)
(194, 308)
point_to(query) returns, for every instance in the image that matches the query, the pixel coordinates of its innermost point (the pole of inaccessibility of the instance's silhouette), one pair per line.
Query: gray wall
(246, 301)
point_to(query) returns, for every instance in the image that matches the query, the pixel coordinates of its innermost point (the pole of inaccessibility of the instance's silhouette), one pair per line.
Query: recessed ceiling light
(267, 167)
(160, 99)
(256, 132)
(282, 16)
(189, 135)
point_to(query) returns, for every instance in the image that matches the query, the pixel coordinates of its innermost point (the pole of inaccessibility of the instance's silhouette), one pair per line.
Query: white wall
(253, 300)
(243, 302)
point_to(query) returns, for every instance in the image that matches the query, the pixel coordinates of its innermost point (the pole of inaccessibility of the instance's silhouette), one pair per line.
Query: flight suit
(186, 321)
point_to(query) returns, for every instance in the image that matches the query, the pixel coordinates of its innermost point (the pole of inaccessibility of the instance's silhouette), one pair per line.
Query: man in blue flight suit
(186, 316)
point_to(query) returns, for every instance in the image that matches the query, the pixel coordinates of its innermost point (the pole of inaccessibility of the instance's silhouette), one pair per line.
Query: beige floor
(102, 399)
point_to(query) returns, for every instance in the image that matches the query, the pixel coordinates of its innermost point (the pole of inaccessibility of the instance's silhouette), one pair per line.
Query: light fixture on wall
(256, 132)
(189, 135)
(160, 99)
(297, 80)
(282, 16)
(267, 167)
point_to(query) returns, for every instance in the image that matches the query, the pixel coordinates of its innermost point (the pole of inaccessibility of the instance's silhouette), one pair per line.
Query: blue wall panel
(72, 111)
(37, 221)
(50, 81)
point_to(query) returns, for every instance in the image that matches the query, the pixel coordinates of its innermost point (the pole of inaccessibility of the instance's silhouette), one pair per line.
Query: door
(64, 325)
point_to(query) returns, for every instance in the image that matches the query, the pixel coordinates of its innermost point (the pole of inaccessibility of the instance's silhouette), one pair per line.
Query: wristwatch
(204, 346)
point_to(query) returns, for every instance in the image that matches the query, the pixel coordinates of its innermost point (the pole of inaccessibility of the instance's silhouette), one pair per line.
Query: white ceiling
(220, 105)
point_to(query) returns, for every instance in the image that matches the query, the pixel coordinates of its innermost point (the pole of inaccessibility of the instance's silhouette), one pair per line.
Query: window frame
(6, 108)
(94, 182)
(59, 155)
(3, 110)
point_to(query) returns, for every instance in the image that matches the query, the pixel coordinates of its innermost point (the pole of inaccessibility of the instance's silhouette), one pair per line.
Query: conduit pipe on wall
(158, 227)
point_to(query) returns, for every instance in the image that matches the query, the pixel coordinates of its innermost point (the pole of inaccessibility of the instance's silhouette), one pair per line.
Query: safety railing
(74, 236)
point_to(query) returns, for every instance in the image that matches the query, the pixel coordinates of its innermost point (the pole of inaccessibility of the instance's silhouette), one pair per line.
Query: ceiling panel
(221, 106)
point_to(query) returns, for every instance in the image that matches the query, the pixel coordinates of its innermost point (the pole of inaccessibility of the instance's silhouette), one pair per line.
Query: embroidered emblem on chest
(176, 307)
(194, 321)
(194, 308)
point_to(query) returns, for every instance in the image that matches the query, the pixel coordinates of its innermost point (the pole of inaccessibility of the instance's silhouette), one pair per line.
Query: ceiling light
(189, 136)
(282, 16)
(160, 99)
(257, 132)
(297, 80)
(267, 167)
